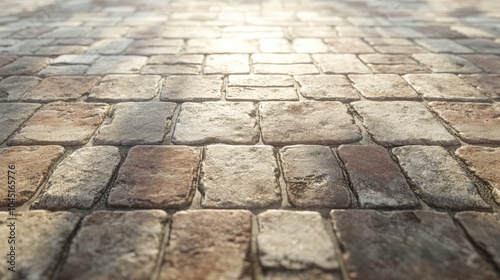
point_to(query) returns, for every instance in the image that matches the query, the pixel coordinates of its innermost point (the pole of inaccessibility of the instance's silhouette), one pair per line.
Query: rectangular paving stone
(309, 45)
(274, 45)
(239, 177)
(116, 88)
(6, 59)
(115, 244)
(260, 81)
(191, 32)
(488, 62)
(192, 88)
(109, 46)
(438, 178)
(25, 66)
(156, 177)
(221, 46)
(108, 32)
(135, 123)
(176, 59)
(75, 59)
(61, 124)
(483, 228)
(326, 87)
(307, 122)
(484, 162)
(217, 122)
(81, 179)
(65, 88)
(287, 69)
(476, 123)
(33, 230)
(227, 64)
(12, 116)
(59, 50)
(482, 46)
(14, 87)
(398, 68)
(68, 32)
(280, 58)
(348, 45)
(376, 178)
(400, 49)
(208, 243)
(261, 93)
(178, 69)
(32, 165)
(340, 64)
(63, 70)
(147, 50)
(488, 84)
(446, 63)
(383, 87)
(402, 123)
(444, 87)
(386, 59)
(443, 45)
(406, 245)
(278, 229)
(127, 64)
(314, 178)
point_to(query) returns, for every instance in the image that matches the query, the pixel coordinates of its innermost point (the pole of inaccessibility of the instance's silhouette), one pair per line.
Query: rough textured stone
(488, 84)
(217, 122)
(348, 45)
(483, 228)
(261, 93)
(406, 245)
(208, 244)
(314, 178)
(340, 64)
(63, 70)
(488, 62)
(136, 124)
(126, 88)
(75, 59)
(438, 178)
(227, 64)
(12, 115)
(312, 246)
(281, 58)
(110, 46)
(32, 166)
(376, 178)
(484, 162)
(309, 45)
(398, 68)
(113, 245)
(383, 87)
(197, 88)
(386, 59)
(13, 88)
(176, 59)
(239, 177)
(326, 87)
(308, 122)
(179, 69)
(81, 179)
(314, 273)
(442, 45)
(260, 81)
(129, 64)
(68, 32)
(288, 69)
(482, 46)
(402, 123)
(42, 232)
(156, 177)
(59, 50)
(443, 87)
(400, 49)
(6, 59)
(61, 88)
(446, 63)
(61, 123)
(27, 65)
(476, 123)
(224, 45)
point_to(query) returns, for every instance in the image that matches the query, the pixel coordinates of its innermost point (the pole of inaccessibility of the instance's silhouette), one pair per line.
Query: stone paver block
(488, 62)
(402, 123)
(65, 88)
(14, 87)
(398, 68)
(376, 178)
(308, 122)
(177, 69)
(68, 32)
(446, 63)
(489, 84)
(326, 87)
(406, 245)
(59, 50)
(217, 122)
(81, 179)
(482, 46)
(42, 232)
(63, 70)
(348, 45)
(227, 64)
(225, 45)
(387, 59)
(442, 45)
(12, 116)
(281, 58)
(114, 88)
(261, 93)
(137, 124)
(274, 45)
(309, 45)
(340, 64)
(115, 245)
(27, 65)
(476, 123)
(383, 87)
(110, 46)
(156, 177)
(75, 59)
(314, 177)
(287, 69)
(32, 167)
(176, 59)
(295, 241)
(208, 244)
(107, 32)
(400, 49)
(260, 81)
(439, 180)
(483, 228)
(484, 162)
(188, 88)
(444, 87)
(239, 177)
(129, 64)
(62, 124)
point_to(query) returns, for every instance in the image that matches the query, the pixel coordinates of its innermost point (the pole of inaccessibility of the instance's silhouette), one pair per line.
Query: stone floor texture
(250, 139)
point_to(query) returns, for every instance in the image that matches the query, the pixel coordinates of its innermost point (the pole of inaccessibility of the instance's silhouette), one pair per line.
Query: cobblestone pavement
(270, 139)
